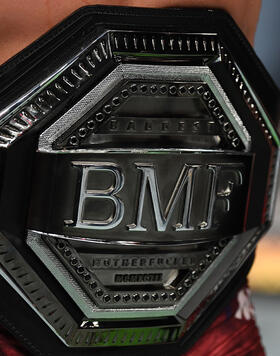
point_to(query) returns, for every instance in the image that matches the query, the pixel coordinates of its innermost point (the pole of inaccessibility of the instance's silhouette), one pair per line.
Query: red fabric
(9, 346)
(233, 333)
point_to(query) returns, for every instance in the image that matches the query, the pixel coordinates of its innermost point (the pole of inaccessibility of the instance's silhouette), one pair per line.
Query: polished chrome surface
(144, 185)
(162, 219)
(233, 251)
(141, 72)
(108, 193)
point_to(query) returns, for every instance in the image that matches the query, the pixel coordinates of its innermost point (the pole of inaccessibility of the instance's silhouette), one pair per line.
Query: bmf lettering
(183, 188)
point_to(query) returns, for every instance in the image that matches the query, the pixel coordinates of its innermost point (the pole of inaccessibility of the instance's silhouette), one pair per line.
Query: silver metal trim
(151, 151)
(236, 248)
(141, 72)
(120, 242)
(59, 271)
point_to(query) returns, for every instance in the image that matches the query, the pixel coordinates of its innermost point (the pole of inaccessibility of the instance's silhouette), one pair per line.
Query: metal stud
(231, 134)
(227, 126)
(155, 297)
(90, 124)
(181, 290)
(202, 266)
(143, 88)
(191, 90)
(82, 132)
(135, 297)
(207, 95)
(188, 282)
(208, 258)
(99, 292)
(74, 261)
(235, 142)
(99, 117)
(80, 269)
(133, 88)
(117, 298)
(67, 252)
(61, 245)
(106, 298)
(172, 90)
(200, 90)
(116, 101)
(212, 104)
(107, 109)
(216, 250)
(87, 277)
(92, 285)
(194, 274)
(125, 93)
(73, 141)
(126, 298)
(145, 297)
(153, 89)
(217, 111)
(182, 90)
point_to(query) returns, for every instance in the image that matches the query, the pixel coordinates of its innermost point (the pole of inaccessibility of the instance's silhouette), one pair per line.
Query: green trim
(126, 336)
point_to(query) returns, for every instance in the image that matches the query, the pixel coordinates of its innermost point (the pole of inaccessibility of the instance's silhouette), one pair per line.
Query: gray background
(267, 46)
(267, 42)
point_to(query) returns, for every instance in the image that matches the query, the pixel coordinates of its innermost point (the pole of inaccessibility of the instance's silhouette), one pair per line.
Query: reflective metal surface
(158, 89)
(137, 177)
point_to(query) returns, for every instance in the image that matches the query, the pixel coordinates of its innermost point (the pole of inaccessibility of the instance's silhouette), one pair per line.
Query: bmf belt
(139, 156)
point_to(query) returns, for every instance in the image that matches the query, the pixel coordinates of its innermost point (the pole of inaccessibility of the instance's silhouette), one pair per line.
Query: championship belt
(139, 156)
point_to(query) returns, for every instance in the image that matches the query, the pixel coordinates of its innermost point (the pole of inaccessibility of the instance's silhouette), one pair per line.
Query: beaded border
(104, 297)
(102, 114)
